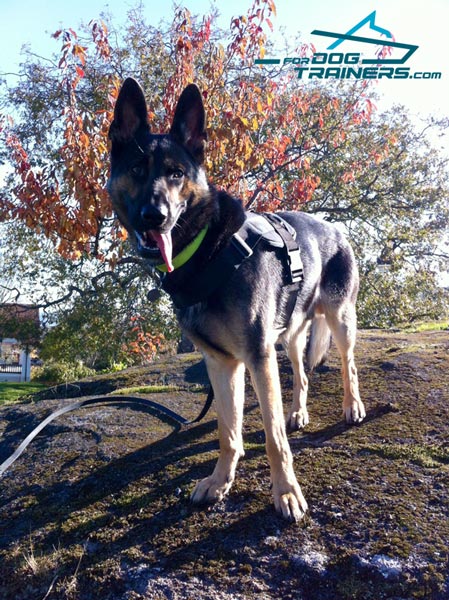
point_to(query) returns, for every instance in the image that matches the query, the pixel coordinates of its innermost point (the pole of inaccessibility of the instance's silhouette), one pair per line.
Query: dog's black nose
(153, 216)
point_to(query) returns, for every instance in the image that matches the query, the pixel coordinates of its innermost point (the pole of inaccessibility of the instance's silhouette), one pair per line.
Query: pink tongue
(164, 243)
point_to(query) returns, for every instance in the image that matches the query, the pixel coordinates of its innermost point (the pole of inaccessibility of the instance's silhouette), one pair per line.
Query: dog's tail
(319, 342)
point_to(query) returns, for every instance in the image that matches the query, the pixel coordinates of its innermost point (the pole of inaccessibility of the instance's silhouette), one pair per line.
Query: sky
(411, 21)
(415, 22)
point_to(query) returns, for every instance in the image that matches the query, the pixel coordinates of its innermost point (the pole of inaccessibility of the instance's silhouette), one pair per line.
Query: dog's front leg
(288, 498)
(227, 377)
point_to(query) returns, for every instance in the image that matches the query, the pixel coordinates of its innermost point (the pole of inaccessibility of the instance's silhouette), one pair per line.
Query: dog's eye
(177, 174)
(138, 170)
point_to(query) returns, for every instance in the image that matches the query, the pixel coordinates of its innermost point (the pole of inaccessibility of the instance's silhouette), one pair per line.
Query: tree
(59, 148)
(273, 142)
(95, 318)
(112, 326)
(393, 201)
(20, 322)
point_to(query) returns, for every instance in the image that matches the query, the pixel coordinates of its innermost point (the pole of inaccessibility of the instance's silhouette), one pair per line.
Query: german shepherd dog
(161, 195)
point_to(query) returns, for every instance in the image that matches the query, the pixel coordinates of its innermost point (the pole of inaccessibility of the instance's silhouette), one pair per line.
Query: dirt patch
(98, 506)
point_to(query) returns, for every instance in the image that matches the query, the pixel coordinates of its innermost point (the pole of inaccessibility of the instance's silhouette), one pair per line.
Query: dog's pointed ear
(130, 112)
(188, 127)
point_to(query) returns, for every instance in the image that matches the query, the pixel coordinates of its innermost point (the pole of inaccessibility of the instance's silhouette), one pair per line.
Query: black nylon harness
(270, 228)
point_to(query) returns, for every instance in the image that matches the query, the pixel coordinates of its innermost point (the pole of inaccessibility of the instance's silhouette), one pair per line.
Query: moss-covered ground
(98, 505)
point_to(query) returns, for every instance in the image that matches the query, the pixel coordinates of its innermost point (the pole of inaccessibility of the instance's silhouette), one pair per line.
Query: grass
(11, 392)
(158, 389)
(147, 389)
(431, 456)
(428, 326)
(112, 511)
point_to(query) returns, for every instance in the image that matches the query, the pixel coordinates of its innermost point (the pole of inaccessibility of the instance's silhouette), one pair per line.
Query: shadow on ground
(98, 505)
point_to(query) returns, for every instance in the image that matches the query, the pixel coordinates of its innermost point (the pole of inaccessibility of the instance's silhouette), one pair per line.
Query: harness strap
(271, 228)
(220, 269)
(293, 255)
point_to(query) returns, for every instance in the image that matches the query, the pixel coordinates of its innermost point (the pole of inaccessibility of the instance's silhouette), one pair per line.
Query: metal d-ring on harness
(269, 227)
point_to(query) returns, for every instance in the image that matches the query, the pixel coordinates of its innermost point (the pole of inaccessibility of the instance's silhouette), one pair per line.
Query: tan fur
(194, 190)
(298, 416)
(288, 498)
(227, 379)
(343, 326)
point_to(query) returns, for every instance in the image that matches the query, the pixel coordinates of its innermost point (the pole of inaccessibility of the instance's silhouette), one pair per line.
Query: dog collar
(275, 233)
(186, 254)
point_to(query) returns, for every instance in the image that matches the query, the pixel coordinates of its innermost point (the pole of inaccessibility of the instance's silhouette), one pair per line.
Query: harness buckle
(295, 265)
(241, 246)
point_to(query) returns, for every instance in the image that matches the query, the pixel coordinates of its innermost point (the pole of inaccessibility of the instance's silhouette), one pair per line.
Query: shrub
(53, 372)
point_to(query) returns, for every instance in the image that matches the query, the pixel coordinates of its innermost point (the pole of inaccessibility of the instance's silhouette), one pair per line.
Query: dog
(161, 195)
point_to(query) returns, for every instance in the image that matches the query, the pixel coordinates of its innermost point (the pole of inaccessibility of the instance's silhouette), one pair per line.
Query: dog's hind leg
(343, 324)
(288, 498)
(227, 377)
(298, 416)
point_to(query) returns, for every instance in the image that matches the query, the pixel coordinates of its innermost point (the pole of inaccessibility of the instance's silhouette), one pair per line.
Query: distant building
(19, 334)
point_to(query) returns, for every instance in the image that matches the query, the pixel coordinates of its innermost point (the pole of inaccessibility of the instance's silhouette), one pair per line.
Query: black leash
(255, 228)
(105, 400)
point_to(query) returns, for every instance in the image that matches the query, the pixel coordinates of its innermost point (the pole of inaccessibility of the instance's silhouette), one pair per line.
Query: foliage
(54, 372)
(16, 322)
(111, 326)
(99, 313)
(26, 332)
(393, 201)
(272, 141)
(60, 183)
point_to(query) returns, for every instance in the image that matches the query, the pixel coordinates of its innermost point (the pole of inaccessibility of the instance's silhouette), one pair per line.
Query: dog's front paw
(289, 501)
(297, 420)
(210, 490)
(354, 412)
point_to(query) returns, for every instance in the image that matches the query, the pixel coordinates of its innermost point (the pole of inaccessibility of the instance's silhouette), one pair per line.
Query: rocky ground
(98, 505)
